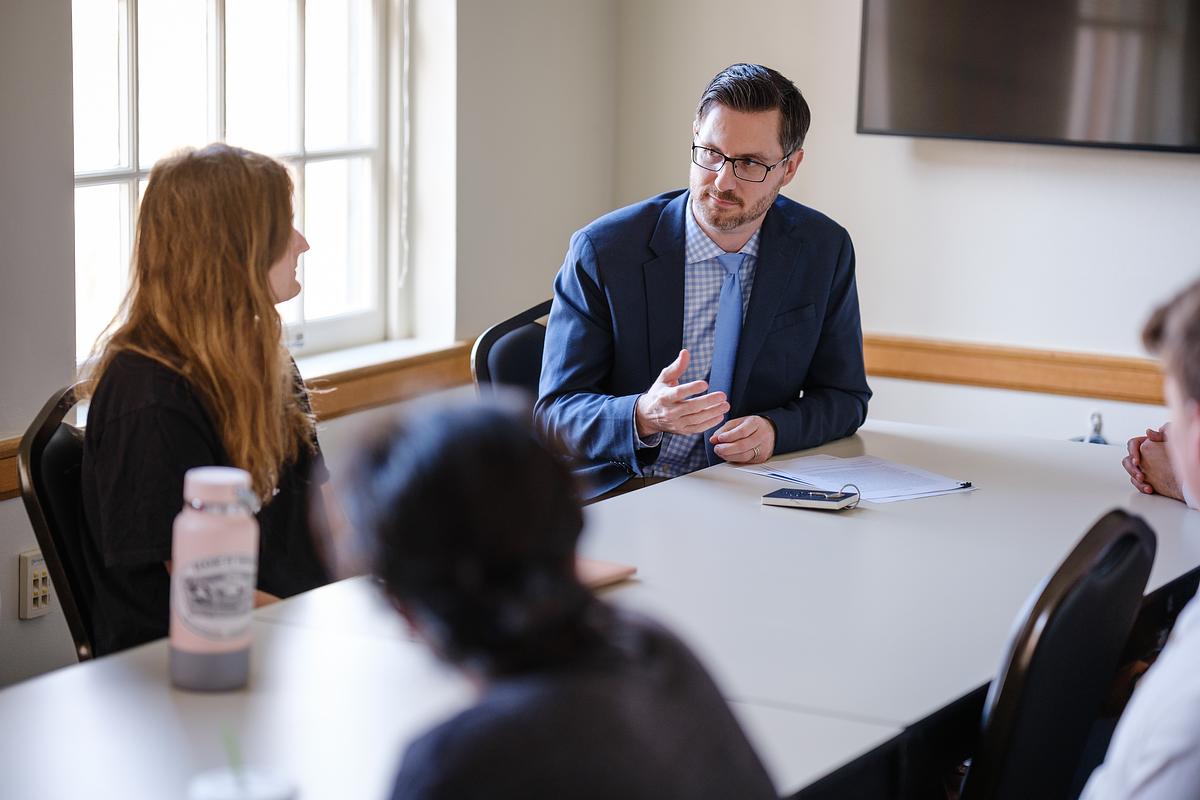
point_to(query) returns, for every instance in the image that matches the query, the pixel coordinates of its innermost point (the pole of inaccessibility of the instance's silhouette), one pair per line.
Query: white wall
(430, 277)
(1029, 245)
(536, 103)
(37, 272)
(1002, 410)
(535, 89)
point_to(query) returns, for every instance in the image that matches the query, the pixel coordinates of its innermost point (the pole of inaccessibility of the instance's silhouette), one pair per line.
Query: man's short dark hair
(471, 524)
(1173, 332)
(753, 87)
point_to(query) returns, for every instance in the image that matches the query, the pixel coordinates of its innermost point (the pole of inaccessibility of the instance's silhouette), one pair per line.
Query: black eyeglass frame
(734, 161)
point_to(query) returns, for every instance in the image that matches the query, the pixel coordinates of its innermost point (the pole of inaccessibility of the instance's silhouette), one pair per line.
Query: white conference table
(828, 633)
(887, 612)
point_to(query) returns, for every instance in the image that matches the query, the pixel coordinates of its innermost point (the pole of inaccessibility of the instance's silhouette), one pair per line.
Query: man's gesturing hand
(670, 407)
(745, 440)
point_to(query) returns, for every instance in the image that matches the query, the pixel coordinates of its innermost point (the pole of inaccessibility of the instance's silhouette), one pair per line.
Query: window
(301, 80)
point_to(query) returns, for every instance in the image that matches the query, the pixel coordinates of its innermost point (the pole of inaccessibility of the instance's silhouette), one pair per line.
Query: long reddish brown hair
(211, 224)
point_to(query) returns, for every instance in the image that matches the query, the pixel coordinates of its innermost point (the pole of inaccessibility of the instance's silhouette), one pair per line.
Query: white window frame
(389, 317)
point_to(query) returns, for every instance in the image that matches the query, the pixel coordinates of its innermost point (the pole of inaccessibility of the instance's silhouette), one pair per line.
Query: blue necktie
(728, 332)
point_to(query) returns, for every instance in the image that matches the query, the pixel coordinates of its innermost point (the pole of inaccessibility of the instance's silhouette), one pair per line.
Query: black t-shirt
(145, 429)
(637, 717)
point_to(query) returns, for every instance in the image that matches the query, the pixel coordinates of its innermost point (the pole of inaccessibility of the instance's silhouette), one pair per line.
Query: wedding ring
(756, 454)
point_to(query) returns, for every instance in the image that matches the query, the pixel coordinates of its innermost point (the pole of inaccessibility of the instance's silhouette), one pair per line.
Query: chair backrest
(1062, 657)
(49, 463)
(510, 353)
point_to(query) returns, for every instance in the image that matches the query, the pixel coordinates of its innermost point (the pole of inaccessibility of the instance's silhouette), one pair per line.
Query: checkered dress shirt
(702, 279)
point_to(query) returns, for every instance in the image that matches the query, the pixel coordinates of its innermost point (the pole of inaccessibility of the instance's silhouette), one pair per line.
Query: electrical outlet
(35, 585)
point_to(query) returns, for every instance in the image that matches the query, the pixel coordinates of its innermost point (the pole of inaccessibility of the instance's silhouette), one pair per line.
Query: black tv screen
(1106, 73)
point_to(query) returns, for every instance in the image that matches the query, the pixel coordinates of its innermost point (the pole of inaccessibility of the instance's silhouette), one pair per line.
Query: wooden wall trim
(10, 486)
(1134, 380)
(342, 393)
(336, 394)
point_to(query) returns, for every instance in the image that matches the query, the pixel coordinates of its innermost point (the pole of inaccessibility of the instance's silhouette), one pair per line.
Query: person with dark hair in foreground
(716, 323)
(1155, 749)
(471, 524)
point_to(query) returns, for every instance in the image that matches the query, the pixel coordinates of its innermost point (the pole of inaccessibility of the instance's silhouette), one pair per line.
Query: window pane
(173, 77)
(101, 260)
(340, 273)
(99, 74)
(340, 80)
(260, 81)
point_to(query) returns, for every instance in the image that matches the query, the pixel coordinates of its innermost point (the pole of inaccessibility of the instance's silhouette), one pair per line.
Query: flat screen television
(1103, 73)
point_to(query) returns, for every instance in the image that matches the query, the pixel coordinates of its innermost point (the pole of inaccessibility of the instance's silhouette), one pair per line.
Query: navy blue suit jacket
(617, 321)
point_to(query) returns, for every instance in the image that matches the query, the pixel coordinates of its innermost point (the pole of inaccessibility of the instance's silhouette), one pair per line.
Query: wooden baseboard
(342, 393)
(1133, 380)
(10, 485)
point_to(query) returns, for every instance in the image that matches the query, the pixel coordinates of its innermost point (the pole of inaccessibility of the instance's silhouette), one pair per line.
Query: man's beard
(732, 218)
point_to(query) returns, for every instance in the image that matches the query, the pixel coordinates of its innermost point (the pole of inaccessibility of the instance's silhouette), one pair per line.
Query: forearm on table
(821, 415)
(262, 598)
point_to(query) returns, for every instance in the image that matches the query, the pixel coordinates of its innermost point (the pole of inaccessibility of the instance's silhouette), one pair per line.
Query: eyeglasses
(745, 168)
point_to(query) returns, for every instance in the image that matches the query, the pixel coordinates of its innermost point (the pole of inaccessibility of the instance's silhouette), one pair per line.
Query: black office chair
(1060, 662)
(510, 353)
(49, 463)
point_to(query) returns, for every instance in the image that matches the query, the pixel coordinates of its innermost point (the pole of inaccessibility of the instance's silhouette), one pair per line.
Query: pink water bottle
(214, 570)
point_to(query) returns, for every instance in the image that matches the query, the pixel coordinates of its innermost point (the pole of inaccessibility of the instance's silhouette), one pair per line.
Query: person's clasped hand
(745, 440)
(1149, 466)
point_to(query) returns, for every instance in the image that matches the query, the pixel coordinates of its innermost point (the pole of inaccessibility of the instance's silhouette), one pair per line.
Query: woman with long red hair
(196, 374)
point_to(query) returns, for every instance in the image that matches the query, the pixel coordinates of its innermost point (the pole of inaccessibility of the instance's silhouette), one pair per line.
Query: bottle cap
(216, 486)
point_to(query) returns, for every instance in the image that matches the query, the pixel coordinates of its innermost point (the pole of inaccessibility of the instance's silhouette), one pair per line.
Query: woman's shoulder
(135, 382)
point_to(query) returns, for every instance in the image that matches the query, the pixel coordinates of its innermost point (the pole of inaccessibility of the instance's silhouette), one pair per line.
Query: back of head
(1173, 331)
(210, 225)
(471, 523)
(752, 88)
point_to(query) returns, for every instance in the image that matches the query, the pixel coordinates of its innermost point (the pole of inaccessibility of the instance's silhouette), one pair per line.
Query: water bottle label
(214, 596)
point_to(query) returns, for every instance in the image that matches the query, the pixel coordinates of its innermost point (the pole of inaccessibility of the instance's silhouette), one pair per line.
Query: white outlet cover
(35, 593)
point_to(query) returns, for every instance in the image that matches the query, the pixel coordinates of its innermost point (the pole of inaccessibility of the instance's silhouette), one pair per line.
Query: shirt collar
(698, 247)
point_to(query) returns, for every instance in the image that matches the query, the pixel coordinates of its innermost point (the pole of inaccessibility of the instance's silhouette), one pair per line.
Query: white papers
(878, 480)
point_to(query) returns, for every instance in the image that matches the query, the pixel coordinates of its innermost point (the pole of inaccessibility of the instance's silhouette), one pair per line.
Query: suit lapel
(779, 250)
(663, 277)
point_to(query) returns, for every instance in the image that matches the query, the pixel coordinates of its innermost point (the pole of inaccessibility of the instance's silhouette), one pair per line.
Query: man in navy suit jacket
(631, 335)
